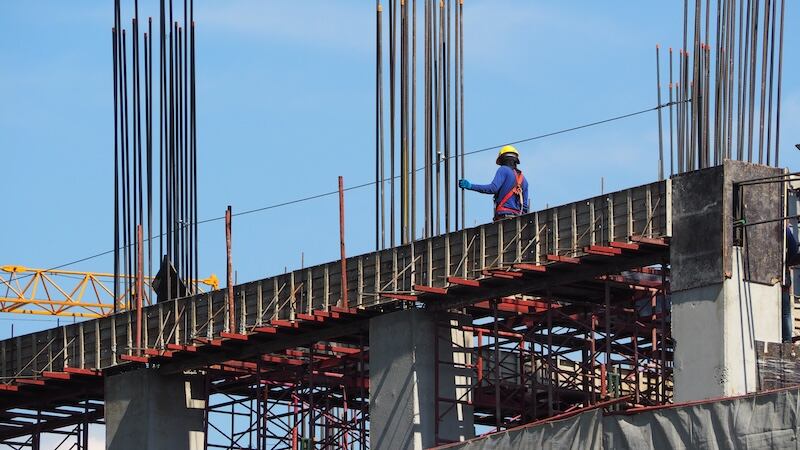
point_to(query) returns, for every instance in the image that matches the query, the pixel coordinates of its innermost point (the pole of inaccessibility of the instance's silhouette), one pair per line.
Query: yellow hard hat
(505, 150)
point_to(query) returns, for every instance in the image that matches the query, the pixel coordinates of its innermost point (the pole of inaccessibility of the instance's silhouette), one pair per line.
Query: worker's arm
(526, 207)
(494, 186)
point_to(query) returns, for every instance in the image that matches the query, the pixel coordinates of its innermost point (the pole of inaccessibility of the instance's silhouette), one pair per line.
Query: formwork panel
(106, 343)
(583, 223)
(621, 215)
(566, 231)
(437, 261)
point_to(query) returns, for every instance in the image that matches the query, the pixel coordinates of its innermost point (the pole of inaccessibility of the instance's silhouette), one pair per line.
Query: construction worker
(509, 187)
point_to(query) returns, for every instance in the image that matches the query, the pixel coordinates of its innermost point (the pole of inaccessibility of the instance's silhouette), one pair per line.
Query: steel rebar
(780, 77)
(660, 125)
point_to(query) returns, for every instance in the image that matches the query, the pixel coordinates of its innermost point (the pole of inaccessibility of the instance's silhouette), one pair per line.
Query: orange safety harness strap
(517, 189)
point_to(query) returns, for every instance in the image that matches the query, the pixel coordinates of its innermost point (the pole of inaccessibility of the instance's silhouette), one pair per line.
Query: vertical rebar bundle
(380, 214)
(442, 104)
(136, 193)
(726, 101)
(660, 121)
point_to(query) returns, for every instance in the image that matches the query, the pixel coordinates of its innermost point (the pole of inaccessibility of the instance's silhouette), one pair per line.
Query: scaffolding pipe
(231, 306)
(343, 301)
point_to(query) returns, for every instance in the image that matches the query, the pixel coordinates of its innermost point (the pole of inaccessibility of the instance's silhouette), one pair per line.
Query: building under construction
(654, 316)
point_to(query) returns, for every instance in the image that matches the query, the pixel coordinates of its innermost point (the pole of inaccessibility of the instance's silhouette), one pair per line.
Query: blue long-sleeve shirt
(505, 179)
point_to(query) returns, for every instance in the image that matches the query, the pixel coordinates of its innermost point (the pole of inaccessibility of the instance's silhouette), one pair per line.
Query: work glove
(464, 184)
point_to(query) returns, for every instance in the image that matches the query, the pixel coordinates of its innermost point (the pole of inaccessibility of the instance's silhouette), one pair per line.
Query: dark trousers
(504, 216)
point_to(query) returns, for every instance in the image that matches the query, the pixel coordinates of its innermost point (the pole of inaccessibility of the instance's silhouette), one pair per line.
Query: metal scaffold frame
(307, 397)
(65, 427)
(534, 358)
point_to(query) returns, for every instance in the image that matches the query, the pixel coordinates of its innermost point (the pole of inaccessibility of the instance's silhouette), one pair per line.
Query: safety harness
(516, 190)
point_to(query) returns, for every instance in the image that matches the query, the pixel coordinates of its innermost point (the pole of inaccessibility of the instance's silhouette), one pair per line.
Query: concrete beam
(145, 409)
(407, 412)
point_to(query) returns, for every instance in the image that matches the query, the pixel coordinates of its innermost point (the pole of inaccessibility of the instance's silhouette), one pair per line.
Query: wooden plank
(310, 318)
(430, 289)
(603, 249)
(650, 241)
(563, 259)
(279, 323)
(326, 315)
(30, 381)
(625, 245)
(210, 342)
(591, 252)
(152, 352)
(233, 336)
(134, 358)
(506, 274)
(463, 282)
(531, 267)
(265, 330)
(57, 375)
(403, 297)
(182, 348)
(343, 310)
(83, 372)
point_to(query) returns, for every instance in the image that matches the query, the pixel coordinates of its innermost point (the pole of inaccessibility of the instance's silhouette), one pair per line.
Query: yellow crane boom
(24, 290)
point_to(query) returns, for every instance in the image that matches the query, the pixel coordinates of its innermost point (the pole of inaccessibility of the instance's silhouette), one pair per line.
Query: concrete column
(147, 410)
(403, 380)
(725, 283)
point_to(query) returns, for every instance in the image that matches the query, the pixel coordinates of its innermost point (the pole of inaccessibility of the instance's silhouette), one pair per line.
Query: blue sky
(286, 104)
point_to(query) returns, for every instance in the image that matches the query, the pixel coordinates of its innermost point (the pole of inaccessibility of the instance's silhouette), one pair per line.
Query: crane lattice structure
(69, 293)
